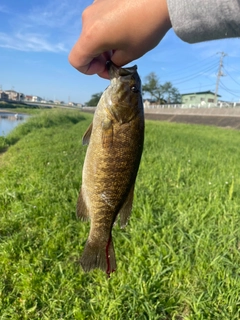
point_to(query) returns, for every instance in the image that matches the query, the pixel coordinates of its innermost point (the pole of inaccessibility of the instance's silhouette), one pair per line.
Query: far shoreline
(6, 111)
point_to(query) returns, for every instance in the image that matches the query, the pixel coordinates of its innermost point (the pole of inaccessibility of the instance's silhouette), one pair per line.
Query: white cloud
(56, 14)
(30, 42)
(51, 27)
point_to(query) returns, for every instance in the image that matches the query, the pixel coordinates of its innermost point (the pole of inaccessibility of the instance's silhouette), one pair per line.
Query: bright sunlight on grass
(179, 257)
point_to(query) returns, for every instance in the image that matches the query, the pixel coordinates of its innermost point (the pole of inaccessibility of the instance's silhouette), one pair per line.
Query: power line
(182, 70)
(233, 68)
(198, 71)
(205, 85)
(202, 70)
(195, 75)
(235, 95)
(227, 90)
(231, 77)
(223, 85)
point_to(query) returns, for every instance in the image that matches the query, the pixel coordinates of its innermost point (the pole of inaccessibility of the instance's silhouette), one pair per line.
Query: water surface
(8, 121)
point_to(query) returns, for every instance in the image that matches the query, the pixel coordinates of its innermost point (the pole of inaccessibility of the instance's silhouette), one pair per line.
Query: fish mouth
(116, 72)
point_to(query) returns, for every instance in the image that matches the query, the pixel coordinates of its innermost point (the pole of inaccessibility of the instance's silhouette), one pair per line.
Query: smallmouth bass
(115, 143)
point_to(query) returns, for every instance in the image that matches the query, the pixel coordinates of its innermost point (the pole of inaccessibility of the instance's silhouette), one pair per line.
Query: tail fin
(96, 255)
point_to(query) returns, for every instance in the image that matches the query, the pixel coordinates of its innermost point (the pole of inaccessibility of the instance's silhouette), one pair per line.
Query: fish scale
(115, 144)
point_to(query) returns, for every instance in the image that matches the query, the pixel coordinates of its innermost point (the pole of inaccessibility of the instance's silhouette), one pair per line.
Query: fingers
(89, 64)
(113, 29)
(124, 56)
(101, 32)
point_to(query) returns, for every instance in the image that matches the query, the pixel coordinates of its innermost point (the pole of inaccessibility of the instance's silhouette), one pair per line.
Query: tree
(175, 96)
(171, 94)
(94, 99)
(161, 93)
(167, 89)
(153, 87)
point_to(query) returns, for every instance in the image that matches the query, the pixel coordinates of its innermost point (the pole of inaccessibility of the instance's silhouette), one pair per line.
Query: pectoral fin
(126, 209)
(87, 135)
(107, 133)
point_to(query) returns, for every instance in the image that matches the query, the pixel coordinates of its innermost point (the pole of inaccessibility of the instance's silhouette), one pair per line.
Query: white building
(33, 98)
(4, 96)
(12, 95)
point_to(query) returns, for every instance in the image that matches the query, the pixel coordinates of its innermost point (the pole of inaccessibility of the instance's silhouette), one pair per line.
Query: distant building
(4, 96)
(72, 103)
(33, 98)
(36, 99)
(21, 96)
(196, 98)
(28, 98)
(11, 95)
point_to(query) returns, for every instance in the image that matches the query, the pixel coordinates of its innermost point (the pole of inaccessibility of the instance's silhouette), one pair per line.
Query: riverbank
(219, 117)
(39, 119)
(232, 122)
(6, 111)
(177, 258)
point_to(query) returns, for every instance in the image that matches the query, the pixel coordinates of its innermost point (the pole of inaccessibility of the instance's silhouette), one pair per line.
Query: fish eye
(134, 89)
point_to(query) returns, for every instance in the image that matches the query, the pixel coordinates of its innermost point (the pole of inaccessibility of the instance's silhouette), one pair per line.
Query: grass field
(179, 257)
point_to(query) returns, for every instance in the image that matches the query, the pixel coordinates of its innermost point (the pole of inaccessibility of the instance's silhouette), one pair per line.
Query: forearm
(199, 20)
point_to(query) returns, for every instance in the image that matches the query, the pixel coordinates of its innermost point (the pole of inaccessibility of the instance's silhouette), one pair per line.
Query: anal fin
(82, 211)
(126, 209)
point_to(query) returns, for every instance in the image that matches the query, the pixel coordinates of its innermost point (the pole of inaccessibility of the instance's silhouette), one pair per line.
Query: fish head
(124, 93)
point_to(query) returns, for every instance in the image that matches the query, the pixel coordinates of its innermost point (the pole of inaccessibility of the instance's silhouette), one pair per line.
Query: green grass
(179, 256)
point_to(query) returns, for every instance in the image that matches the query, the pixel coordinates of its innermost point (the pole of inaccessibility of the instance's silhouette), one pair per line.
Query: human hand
(120, 30)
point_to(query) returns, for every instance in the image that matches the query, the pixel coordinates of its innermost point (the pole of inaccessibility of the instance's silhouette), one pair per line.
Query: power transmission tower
(219, 75)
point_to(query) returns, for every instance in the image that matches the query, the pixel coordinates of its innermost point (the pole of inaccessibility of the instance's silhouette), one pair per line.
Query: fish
(115, 143)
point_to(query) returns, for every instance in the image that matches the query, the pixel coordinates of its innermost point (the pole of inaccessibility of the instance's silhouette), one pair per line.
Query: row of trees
(159, 93)
(94, 99)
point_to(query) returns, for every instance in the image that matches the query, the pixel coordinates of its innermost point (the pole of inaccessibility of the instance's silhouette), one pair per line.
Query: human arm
(197, 20)
(122, 30)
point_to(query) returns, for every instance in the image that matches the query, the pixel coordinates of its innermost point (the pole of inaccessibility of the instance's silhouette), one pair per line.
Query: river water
(8, 121)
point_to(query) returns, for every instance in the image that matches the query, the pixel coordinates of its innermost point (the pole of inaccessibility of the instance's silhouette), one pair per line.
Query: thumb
(120, 57)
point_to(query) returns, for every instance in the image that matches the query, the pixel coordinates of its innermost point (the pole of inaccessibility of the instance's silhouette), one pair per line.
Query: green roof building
(198, 98)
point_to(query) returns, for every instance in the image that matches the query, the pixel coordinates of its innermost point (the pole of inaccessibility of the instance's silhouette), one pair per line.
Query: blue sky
(36, 37)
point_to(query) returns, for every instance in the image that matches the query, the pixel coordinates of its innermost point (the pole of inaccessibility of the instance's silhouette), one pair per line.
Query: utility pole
(219, 75)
